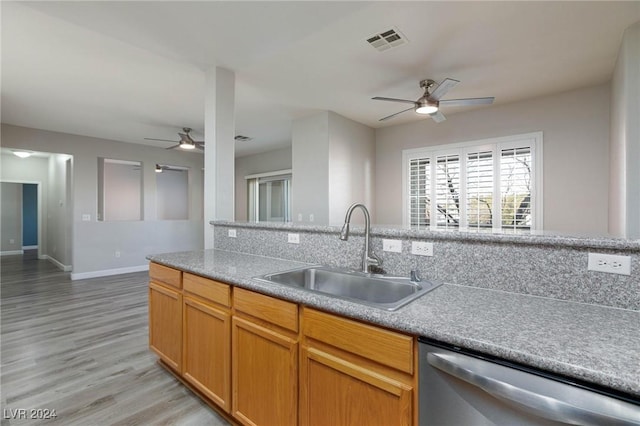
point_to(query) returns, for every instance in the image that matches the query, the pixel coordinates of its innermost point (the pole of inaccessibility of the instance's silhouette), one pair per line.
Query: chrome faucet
(369, 258)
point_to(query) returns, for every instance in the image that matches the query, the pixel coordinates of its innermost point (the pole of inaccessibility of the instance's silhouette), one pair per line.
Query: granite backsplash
(547, 266)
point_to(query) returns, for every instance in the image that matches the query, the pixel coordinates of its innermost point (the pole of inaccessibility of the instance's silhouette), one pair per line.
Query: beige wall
(575, 128)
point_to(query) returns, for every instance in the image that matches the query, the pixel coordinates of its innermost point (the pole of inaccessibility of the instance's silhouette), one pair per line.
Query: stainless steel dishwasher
(461, 388)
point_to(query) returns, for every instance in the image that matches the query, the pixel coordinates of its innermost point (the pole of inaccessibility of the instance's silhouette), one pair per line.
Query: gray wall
(279, 159)
(11, 218)
(94, 244)
(575, 128)
(624, 189)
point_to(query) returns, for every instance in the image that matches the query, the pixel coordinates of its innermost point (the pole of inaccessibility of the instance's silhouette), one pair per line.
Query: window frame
(253, 193)
(497, 145)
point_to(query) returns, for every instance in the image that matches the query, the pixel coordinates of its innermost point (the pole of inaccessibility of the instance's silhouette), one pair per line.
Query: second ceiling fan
(430, 102)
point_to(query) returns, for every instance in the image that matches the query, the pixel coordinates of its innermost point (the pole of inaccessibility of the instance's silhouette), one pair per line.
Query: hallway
(81, 348)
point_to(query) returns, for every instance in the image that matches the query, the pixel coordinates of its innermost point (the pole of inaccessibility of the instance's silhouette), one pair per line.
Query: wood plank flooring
(81, 348)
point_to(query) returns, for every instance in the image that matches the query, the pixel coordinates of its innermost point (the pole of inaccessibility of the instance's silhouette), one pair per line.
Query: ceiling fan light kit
(185, 142)
(430, 102)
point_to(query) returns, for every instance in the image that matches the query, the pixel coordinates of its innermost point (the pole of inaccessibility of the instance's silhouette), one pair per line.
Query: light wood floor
(80, 348)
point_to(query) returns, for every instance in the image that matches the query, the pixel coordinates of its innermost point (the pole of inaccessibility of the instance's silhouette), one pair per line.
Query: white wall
(310, 159)
(279, 159)
(575, 128)
(333, 167)
(624, 189)
(351, 168)
(59, 204)
(94, 244)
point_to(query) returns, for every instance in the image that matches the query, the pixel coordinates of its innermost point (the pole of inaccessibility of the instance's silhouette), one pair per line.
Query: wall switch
(232, 233)
(609, 263)
(117, 254)
(394, 246)
(421, 248)
(311, 217)
(86, 217)
(293, 238)
(12, 241)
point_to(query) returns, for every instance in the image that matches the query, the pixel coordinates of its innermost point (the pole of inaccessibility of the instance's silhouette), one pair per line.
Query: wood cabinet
(207, 338)
(265, 360)
(165, 315)
(353, 373)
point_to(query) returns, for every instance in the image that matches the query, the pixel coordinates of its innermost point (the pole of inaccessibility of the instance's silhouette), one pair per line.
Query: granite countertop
(593, 343)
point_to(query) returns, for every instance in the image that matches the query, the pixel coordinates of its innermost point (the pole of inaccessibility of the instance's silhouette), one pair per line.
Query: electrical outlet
(86, 217)
(609, 263)
(394, 246)
(311, 217)
(12, 241)
(293, 238)
(421, 248)
(117, 254)
(232, 233)
(299, 217)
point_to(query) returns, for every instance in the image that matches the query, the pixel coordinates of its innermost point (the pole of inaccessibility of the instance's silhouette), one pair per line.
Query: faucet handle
(415, 276)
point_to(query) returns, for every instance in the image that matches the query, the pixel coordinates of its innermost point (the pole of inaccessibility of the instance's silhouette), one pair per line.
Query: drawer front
(207, 288)
(165, 275)
(276, 311)
(386, 347)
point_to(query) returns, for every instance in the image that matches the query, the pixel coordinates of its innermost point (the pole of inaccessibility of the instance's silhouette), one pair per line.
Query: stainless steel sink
(381, 291)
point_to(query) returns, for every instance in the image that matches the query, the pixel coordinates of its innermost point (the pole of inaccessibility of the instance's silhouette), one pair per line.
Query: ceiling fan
(430, 102)
(185, 142)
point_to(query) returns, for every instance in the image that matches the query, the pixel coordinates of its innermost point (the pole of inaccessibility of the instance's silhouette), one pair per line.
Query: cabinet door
(264, 375)
(337, 392)
(207, 347)
(165, 324)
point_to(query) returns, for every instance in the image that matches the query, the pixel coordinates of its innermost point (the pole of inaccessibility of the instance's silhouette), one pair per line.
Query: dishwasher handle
(532, 401)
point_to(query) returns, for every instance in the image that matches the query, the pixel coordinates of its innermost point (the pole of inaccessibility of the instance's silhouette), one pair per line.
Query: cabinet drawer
(276, 311)
(208, 289)
(165, 275)
(386, 347)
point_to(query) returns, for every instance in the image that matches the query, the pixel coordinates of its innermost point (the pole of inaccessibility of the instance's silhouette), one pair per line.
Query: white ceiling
(130, 70)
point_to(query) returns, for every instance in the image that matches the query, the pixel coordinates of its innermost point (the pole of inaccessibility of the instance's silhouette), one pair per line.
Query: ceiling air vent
(387, 39)
(240, 138)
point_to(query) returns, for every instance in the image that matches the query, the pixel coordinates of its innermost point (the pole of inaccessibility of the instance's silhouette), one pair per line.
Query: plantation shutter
(420, 192)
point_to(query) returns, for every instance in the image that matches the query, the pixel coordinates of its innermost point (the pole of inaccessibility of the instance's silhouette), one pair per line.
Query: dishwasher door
(458, 388)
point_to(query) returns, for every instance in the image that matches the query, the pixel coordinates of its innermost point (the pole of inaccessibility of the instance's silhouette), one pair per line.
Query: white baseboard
(60, 265)
(11, 252)
(29, 247)
(108, 272)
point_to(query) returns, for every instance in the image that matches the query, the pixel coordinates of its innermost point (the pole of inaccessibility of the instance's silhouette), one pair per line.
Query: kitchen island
(591, 343)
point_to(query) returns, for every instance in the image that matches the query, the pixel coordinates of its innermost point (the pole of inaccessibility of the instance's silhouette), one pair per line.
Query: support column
(219, 154)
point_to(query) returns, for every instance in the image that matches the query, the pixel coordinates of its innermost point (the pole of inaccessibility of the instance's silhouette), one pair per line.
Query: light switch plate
(394, 246)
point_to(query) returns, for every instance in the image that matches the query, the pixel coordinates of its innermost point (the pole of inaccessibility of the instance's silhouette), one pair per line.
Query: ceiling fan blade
(468, 101)
(397, 113)
(161, 140)
(443, 88)
(172, 147)
(405, 101)
(200, 145)
(438, 117)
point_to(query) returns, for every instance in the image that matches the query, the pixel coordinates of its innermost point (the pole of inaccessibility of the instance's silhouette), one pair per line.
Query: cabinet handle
(536, 397)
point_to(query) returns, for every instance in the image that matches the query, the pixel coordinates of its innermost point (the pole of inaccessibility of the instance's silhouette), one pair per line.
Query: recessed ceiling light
(22, 154)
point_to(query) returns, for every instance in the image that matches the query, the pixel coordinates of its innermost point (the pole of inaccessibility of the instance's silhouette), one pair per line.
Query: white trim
(108, 272)
(268, 174)
(59, 265)
(29, 247)
(11, 252)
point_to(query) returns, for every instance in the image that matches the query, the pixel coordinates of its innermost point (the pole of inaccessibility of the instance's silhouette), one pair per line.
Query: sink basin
(380, 291)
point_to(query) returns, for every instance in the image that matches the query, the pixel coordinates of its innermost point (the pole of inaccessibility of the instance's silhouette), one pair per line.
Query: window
(269, 197)
(493, 185)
